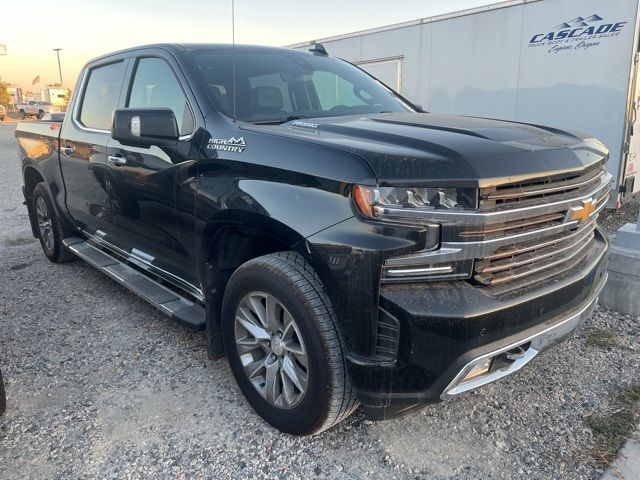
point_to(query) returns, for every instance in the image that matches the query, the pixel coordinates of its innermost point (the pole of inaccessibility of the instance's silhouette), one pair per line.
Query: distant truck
(36, 109)
(570, 64)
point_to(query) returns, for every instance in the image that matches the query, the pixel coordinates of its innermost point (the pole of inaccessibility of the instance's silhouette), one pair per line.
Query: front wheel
(284, 347)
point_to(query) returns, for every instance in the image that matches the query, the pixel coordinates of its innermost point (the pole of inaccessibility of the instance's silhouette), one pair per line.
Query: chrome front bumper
(524, 350)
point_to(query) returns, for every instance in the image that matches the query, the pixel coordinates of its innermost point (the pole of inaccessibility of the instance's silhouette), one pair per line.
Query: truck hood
(429, 149)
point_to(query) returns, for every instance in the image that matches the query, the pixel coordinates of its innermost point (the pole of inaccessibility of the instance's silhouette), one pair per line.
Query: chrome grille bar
(522, 192)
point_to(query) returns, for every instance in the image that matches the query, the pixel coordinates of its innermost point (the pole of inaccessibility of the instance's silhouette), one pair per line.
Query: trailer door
(387, 70)
(631, 179)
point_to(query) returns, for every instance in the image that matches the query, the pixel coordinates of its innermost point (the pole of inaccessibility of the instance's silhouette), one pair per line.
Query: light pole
(57, 50)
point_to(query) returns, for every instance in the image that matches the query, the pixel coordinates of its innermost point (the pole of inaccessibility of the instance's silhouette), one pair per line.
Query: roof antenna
(233, 55)
(319, 49)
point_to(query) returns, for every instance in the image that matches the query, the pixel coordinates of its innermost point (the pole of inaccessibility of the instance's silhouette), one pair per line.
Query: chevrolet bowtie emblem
(583, 213)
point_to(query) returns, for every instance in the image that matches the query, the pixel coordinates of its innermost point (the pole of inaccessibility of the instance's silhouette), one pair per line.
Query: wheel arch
(226, 245)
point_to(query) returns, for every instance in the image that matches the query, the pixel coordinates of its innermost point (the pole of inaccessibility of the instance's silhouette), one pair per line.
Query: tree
(5, 98)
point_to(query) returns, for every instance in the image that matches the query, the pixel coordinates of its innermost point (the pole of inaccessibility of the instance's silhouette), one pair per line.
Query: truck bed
(38, 140)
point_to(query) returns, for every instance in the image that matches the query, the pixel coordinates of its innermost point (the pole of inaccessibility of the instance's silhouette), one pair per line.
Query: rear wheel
(40, 114)
(50, 229)
(284, 346)
(21, 114)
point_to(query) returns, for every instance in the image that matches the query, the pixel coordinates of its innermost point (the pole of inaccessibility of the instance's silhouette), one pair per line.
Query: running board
(167, 301)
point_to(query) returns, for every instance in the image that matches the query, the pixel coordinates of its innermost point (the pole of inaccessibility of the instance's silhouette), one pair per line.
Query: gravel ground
(612, 220)
(100, 384)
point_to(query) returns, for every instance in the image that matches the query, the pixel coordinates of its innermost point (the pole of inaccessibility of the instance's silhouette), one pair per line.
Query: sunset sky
(88, 28)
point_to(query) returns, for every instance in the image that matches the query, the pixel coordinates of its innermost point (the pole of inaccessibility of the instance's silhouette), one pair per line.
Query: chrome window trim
(475, 218)
(76, 106)
(82, 83)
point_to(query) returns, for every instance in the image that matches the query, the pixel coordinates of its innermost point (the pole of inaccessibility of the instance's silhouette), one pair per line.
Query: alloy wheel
(44, 223)
(271, 350)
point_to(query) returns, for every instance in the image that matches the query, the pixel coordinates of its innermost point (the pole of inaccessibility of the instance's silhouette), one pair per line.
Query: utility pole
(57, 50)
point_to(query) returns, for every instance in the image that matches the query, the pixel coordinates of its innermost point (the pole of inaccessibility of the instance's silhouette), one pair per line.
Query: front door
(148, 189)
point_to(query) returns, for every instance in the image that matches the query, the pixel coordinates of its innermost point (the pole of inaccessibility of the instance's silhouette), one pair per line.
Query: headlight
(394, 203)
(411, 206)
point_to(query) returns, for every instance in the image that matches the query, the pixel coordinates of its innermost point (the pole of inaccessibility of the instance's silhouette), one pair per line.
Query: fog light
(478, 369)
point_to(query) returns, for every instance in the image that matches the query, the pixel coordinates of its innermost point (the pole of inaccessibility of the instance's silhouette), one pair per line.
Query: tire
(40, 115)
(21, 115)
(1, 119)
(327, 396)
(50, 229)
(3, 397)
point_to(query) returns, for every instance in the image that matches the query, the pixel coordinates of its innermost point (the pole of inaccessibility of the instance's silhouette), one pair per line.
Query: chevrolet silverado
(339, 245)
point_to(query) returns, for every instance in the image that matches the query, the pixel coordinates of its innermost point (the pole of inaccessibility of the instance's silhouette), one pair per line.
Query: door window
(101, 95)
(155, 85)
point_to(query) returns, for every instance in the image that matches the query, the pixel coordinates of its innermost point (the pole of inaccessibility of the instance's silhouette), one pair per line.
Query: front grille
(523, 234)
(550, 252)
(541, 190)
(519, 260)
(514, 227)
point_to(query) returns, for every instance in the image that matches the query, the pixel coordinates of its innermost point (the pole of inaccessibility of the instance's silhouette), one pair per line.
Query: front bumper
(448, 328)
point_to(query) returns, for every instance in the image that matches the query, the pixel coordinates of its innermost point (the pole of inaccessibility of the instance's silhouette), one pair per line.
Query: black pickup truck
(339, 245)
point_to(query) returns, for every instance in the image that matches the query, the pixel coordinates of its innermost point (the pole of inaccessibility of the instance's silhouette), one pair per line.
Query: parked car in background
(53, 117)
(3, 113)
(36, 109)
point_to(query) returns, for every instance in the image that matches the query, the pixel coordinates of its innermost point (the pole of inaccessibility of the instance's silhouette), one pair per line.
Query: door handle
(117, 160)
(67, 150)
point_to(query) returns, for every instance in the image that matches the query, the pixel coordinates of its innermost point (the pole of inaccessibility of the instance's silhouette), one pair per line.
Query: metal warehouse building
(571, 64)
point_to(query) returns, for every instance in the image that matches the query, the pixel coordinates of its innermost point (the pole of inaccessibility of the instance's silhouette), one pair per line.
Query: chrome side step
(167, 301)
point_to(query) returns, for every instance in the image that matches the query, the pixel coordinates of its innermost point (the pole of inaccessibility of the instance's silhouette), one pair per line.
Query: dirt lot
(100, 384)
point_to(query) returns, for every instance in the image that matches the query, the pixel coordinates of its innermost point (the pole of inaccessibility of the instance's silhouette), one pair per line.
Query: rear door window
(101, 95)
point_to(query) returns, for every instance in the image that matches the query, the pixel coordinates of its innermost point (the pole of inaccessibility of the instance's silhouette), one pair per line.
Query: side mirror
(144, 127)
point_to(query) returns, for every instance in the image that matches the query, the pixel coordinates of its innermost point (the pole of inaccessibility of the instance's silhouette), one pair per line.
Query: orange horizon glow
(90, 28)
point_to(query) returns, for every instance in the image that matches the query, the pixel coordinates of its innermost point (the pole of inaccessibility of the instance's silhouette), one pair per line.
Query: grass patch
(613, 429)
(597, 337)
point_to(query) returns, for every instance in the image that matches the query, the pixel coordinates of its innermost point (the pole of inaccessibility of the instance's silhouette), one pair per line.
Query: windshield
(278, 87)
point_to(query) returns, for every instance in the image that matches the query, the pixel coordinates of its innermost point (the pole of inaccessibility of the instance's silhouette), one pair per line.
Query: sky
(85, 29)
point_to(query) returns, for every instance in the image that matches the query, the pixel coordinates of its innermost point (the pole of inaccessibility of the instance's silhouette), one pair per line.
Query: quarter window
(101, 95)
(155, 85)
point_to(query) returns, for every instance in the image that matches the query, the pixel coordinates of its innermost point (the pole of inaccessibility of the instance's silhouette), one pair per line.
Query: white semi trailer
(571, 64)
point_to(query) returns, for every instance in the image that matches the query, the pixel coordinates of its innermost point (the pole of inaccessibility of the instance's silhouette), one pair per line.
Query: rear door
(83, 144)
(152, 191)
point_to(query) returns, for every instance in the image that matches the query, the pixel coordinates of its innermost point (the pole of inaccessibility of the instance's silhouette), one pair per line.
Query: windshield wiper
(290, 118)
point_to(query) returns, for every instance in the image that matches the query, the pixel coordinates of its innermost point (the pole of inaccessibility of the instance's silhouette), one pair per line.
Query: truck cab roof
(192, 47)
